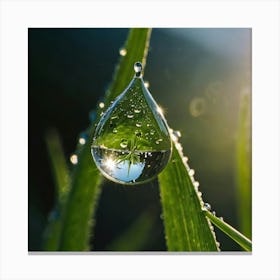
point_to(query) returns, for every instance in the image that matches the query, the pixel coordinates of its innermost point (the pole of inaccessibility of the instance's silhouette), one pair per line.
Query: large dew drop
(131, 143)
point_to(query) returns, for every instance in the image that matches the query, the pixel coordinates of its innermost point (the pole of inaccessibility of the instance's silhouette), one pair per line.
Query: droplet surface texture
(131, 143)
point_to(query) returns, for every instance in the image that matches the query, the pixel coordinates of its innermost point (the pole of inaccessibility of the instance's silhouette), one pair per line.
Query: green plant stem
(238, 237)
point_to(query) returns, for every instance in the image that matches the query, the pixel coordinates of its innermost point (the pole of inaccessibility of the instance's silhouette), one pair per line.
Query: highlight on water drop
(135, 146)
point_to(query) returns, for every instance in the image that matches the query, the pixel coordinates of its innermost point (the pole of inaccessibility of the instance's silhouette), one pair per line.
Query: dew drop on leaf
(191, 172)
(207, 206)
(123, 154)
(123, 52)
(74, 159)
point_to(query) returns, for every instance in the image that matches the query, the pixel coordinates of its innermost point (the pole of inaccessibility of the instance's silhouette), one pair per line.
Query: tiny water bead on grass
(131, 143)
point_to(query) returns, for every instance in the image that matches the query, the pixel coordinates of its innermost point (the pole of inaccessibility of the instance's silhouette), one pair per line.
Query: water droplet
(138, 68)
(83, 137)
(124, 143)
(177, 133)
(101, 105)
(214, 213)
(158, 141)
(191, 172)
(147, 84)
(134, 159)
(82, 141)
(74, 159)
(123, 52)
(207, 206)
(185, 159)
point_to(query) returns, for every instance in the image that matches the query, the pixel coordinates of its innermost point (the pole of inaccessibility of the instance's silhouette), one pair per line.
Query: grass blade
(244, 180)
(238, 237)
(61, 177)
(186, 227)
(86, 179)
(135, 236)
(58, 164)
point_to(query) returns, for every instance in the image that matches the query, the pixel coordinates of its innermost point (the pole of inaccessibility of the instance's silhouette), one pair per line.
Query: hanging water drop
(207, 206)
(128, 156)
(138, 69)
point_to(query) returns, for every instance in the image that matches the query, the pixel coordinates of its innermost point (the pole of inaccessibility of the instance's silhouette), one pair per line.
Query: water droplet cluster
(131, 143)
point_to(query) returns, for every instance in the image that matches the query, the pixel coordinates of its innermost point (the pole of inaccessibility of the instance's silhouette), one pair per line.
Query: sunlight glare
(110, 163)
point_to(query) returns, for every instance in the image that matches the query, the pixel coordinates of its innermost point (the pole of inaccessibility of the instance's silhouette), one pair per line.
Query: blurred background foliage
(200, 77)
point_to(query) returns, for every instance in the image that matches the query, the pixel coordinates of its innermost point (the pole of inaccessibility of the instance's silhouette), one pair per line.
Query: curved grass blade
(186, 227)
(86, 179)
(238, 237)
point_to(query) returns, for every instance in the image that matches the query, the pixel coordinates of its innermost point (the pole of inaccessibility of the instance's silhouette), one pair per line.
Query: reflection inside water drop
(129, 167)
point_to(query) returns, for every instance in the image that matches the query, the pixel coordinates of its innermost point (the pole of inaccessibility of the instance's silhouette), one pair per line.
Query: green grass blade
(244, 180)
(137, 47)
(58, 164)
(86, 179)
(186, 227)
(135, 236)
(61, 176)
(238, 237)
